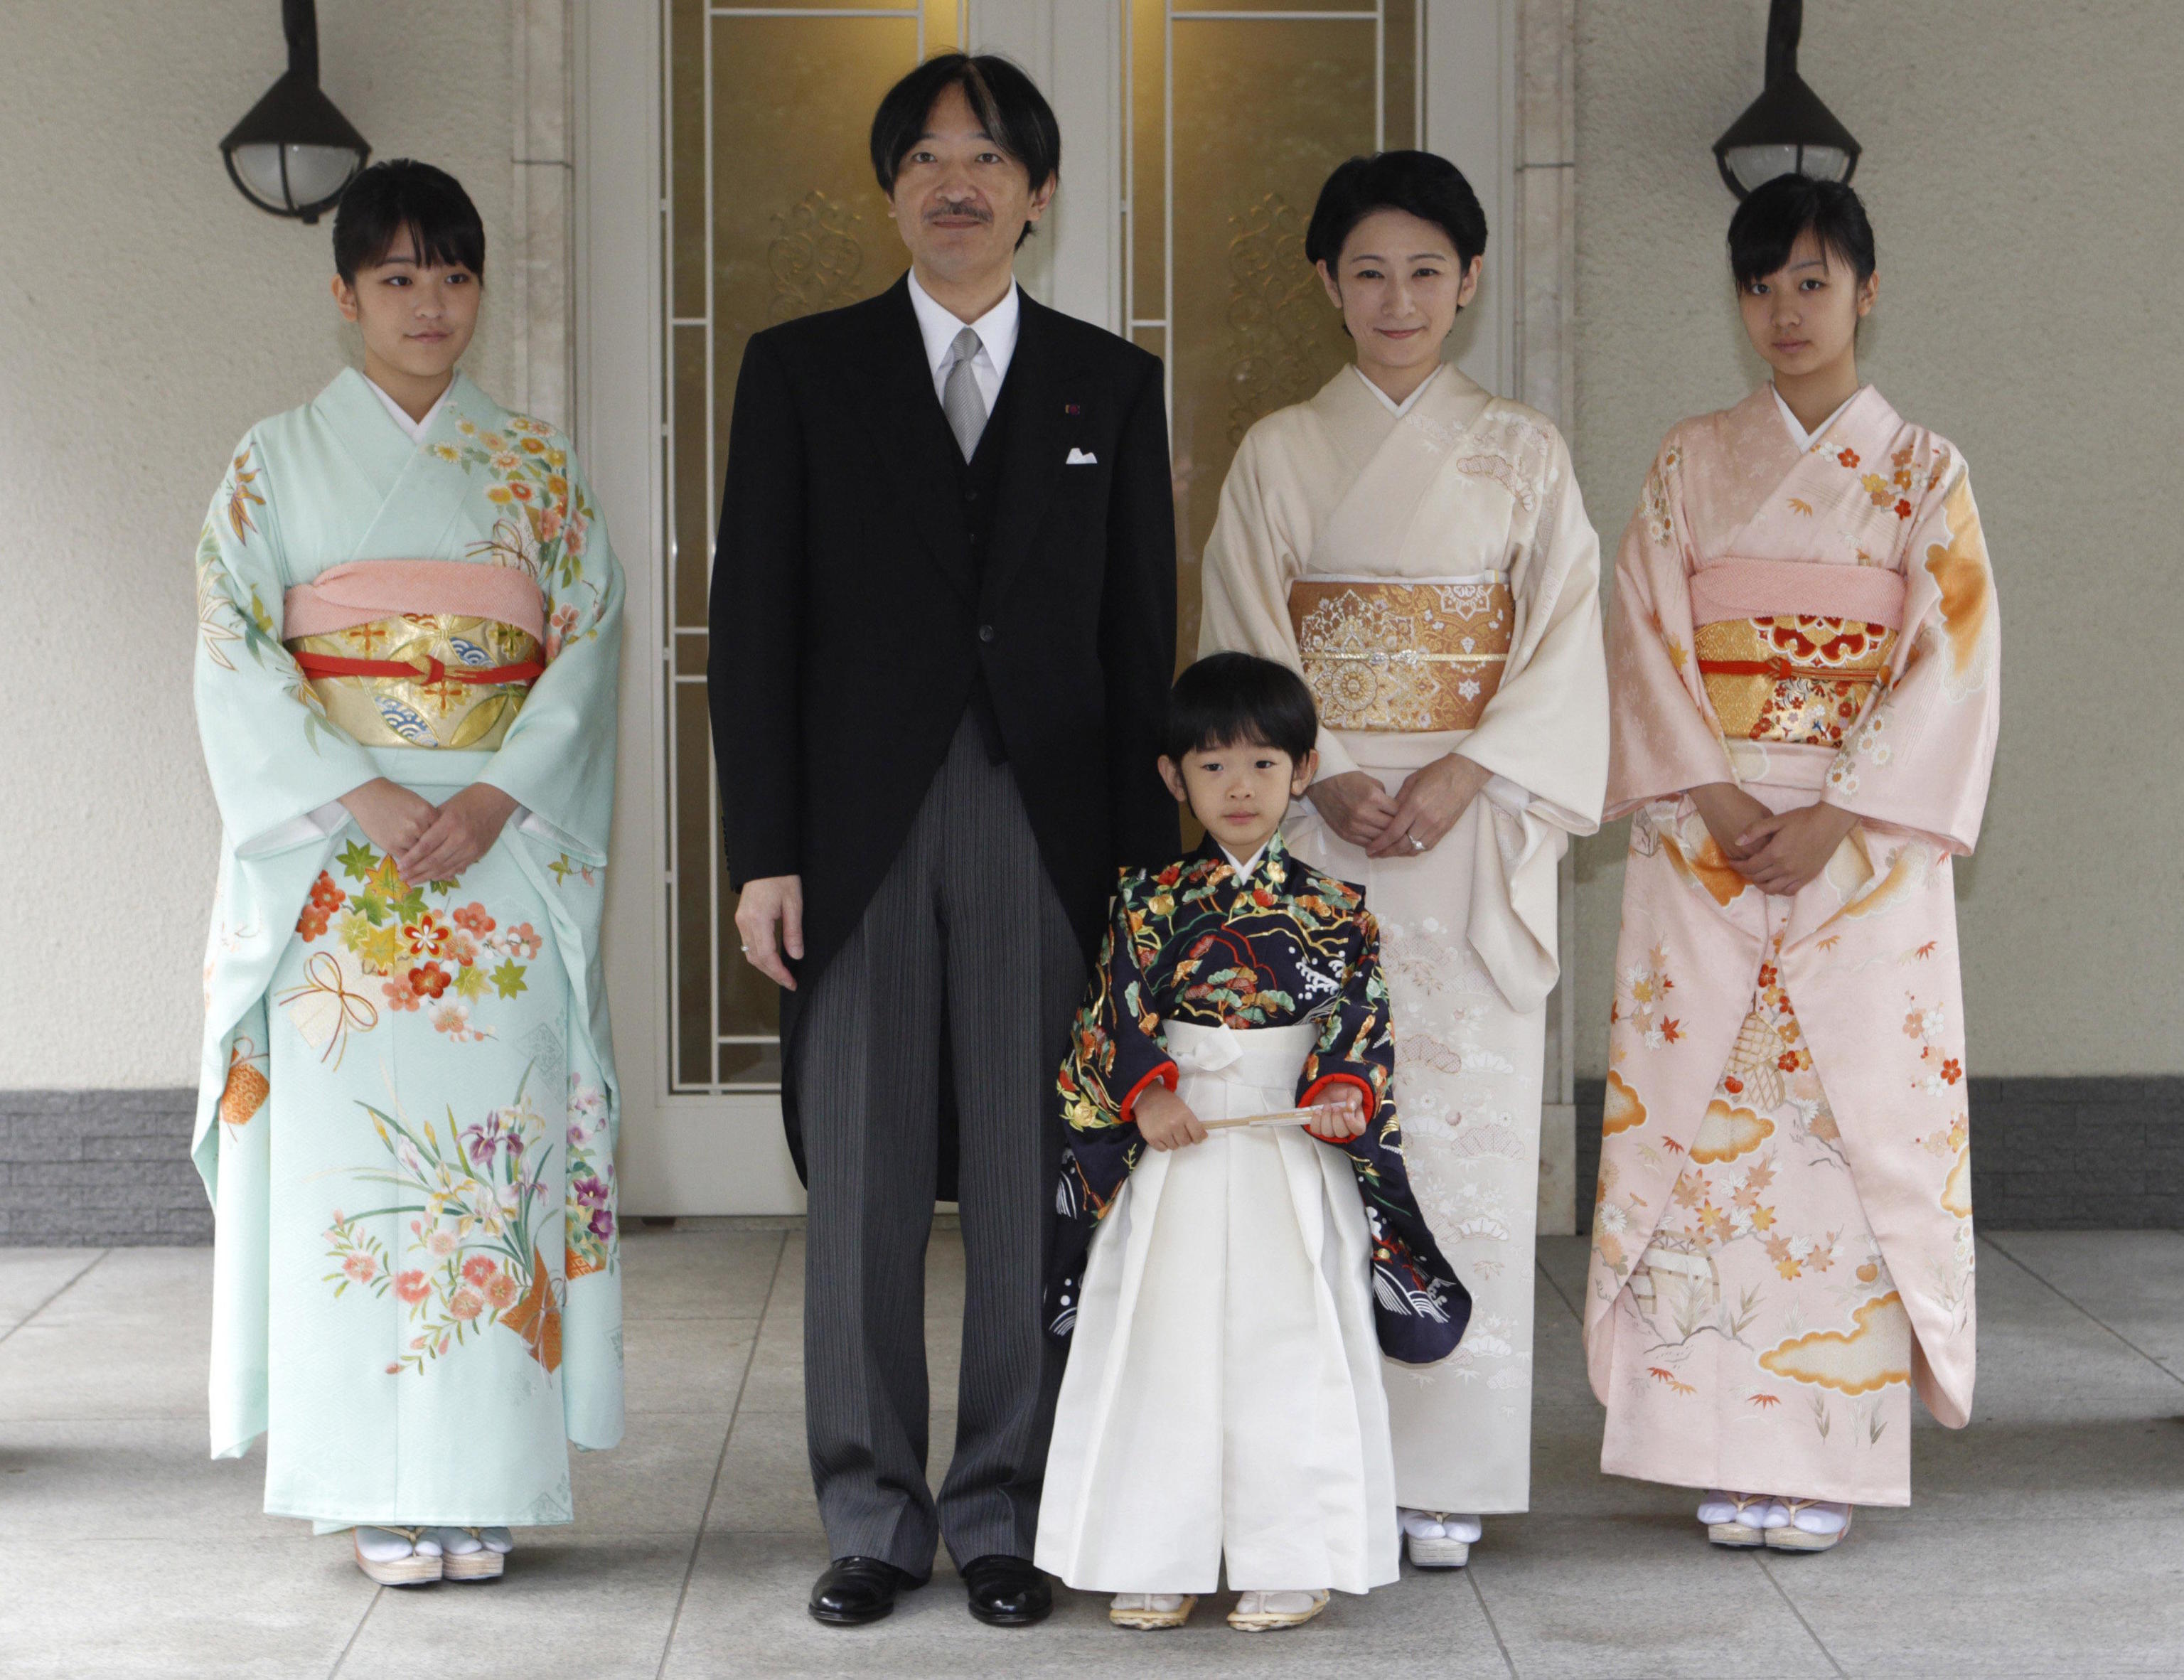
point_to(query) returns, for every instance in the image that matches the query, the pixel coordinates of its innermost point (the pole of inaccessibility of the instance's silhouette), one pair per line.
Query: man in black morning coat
(943, 629)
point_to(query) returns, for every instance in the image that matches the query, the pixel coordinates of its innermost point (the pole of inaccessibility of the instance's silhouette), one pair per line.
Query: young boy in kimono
(1235, 1169)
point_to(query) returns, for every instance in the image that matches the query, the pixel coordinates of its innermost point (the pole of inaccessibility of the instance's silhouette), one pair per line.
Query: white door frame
(1497, 102)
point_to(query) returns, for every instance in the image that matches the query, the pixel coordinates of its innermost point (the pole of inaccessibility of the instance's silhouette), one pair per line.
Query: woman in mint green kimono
(410, 631)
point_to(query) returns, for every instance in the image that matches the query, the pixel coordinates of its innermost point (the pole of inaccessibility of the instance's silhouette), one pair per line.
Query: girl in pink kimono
(1803, 662)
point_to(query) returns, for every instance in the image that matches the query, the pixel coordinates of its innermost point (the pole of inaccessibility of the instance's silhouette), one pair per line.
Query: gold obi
(421, 710)
(1793, 678)
(1402, 657)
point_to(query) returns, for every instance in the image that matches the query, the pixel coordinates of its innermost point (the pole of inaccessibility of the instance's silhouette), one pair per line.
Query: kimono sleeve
(274, 758)
(1920, 757)
(1661, 739)
(1546, 729)
(1115, 1049)
(1355, 1047)
(559, 757)
(1245, 582)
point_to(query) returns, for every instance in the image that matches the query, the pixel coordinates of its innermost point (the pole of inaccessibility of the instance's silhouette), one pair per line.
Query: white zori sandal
(398, 1557)
(1741, 1520)
(1149, 1611)
(472, 1554)
(1814, 1525)
(1272, 1612)
(1439, 1539)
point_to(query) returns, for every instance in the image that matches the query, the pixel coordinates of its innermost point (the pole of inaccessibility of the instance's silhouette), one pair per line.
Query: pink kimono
(1782, 1243)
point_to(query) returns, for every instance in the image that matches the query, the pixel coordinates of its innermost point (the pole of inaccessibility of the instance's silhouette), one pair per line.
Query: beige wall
(2022, 167)
(147, 317)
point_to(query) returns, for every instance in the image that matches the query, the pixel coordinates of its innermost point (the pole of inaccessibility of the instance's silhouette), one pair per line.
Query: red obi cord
(428, 671)
(1782, 670)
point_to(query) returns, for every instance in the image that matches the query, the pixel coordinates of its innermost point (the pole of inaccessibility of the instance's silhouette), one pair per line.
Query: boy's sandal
(1254, 1613)
(1436, 1551)
(1792, 1538)
(466, 1555)
(397, 1557)
(1149, 1612)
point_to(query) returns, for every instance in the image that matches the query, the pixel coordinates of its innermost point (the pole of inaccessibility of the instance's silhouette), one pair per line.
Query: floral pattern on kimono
(1197, 942)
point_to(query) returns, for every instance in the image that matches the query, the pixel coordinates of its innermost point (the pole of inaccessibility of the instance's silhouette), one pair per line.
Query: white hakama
(1224, 1396)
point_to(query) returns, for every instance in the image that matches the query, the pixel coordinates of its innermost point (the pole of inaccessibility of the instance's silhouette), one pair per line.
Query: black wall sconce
(294, 153)
(1786, 129)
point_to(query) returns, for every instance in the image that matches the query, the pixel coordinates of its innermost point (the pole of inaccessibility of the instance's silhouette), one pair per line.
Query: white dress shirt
(1803, 438)
(1387, 402)
(414, 430)
(997, 340)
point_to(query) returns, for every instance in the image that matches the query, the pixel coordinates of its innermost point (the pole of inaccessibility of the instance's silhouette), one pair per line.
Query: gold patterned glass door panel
(1236, 116)
(770, 212)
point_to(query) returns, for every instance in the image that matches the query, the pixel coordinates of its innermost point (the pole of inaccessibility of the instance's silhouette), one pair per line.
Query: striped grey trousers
(965, 939)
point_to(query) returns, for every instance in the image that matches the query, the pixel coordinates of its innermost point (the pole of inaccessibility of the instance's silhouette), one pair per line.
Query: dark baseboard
(2103, 1153)
(111, 1168)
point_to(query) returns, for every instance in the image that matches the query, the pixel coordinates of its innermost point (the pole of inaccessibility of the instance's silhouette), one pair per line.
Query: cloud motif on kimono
(1726, 1133)
(1870, 1357)
(1961, 573)
(1957, 1193)
(1623, 1111)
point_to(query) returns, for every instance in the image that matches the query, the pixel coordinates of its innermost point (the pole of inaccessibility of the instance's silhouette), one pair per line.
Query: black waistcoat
(977, 480)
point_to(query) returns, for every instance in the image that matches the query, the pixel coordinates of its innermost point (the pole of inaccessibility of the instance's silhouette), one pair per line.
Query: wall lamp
(1786, 129)
(294, 153)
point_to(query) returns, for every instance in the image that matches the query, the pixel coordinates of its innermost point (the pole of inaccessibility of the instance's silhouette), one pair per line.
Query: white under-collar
(1244, 866)
(414, 430)
(997, 337)
(1803, 438)
(1387, 402)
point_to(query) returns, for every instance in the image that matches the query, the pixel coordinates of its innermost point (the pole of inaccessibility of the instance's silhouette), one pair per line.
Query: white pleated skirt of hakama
(1222, 1398)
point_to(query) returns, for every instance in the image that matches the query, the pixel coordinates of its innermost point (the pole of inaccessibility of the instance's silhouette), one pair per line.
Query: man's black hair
(1429, 187)
(402, 193)
(1229, 697)
(1768, 223)
(1006, 103)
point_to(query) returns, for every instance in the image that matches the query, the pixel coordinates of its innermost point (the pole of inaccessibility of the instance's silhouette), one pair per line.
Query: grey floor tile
(30, 1277)
(132, 1479)
(111, 1368)
(698, 1273)
(168, 1287)
(272, 1608)
(776, 1383)
(2133, 1281)
(596, 1608)
(681, 1364)
(655, 1482)
(1563, 1259)
(765, 1484)
(2041, 1359)
(745, 1613)
(1634, 1598)
(2094, 1597)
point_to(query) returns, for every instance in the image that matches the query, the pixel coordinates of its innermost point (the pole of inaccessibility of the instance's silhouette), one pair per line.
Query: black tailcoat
(851, 616)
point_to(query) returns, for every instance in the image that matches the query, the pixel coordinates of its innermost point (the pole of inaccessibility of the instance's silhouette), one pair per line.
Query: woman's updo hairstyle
(1768, 224)
(1419, 183)
(402, 192)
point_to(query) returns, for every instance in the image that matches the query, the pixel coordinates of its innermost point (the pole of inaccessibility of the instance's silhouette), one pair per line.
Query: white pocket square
(1082, 458)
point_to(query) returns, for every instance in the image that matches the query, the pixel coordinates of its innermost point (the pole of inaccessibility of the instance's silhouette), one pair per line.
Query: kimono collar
(352, 407)
(1272, 866)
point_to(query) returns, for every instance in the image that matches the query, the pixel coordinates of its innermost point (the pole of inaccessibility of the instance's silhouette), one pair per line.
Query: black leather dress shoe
(1007, 1592)
(857, 1590)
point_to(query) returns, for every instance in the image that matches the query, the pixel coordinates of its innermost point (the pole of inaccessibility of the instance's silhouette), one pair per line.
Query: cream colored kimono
(1783, 1243)
(1435, 579)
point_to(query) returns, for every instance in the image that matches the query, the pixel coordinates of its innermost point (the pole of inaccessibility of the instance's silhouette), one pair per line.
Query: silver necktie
(960, 400)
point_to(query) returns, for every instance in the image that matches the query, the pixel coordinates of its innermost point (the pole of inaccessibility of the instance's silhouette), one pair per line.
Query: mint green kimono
(409, 1109)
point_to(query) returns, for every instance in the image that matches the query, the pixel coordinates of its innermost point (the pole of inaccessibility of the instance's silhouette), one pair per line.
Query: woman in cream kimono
(1418, 549)
(409, 636)
(1805, 657)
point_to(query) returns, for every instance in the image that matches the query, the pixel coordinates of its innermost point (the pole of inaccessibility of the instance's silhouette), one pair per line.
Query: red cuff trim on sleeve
(1166, 1073)
(1311, 1097)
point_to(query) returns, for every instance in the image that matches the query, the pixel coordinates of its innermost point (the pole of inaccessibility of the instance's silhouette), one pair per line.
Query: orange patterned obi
(1793, 678)
(418, 653)
(1408, 657)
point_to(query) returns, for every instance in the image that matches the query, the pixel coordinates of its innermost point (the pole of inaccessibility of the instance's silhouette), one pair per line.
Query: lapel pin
(1072, 408)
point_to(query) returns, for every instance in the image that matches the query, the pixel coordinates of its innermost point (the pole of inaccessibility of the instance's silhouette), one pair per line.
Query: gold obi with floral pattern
(430, 679)
(1411, 658)
(1792, 678)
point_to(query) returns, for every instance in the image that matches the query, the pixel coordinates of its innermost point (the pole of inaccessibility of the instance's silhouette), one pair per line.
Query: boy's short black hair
(1230, 697)
(402, 192)
(1429, 187)
(1006, 101)
(1767, 225)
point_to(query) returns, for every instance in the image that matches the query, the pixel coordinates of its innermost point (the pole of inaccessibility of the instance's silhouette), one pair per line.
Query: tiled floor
(2047, 1538)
